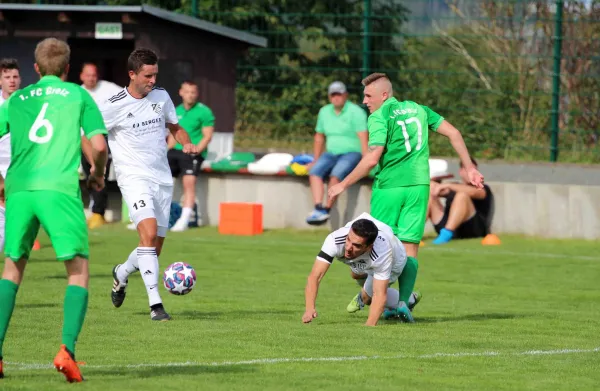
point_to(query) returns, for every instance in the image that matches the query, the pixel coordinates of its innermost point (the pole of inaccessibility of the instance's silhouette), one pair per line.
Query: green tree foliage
(311, 44)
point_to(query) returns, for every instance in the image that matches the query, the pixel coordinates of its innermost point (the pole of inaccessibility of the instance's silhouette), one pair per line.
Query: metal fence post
(195, 8)
(366, 55)
(558, 36)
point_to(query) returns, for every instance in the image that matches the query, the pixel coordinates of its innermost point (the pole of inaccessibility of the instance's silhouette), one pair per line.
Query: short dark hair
(366, 229)
(140, 57)
(9, 63)
(189, 83)
(472, 161)
(89, 64)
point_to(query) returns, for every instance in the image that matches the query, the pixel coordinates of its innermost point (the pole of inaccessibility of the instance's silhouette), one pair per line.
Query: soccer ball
(179, 278)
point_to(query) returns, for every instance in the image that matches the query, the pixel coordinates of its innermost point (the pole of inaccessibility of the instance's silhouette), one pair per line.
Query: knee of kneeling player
(365, 297)
(358, 276)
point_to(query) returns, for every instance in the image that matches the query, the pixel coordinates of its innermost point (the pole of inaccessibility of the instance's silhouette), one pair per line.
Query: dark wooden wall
(207, 59)
(184, 53)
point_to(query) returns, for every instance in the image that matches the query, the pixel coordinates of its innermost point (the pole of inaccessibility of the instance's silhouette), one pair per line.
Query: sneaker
(356, 304)
(159, 314)
(404, 314)
(180, 226)
(95, 221)
(317, 217)
(401, 313)
(1, 370)
(118, 290)
(389, 314)
(64, 362)
(131, 227)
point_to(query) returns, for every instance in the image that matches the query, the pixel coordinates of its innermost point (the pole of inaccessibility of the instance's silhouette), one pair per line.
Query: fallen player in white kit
(369, 247)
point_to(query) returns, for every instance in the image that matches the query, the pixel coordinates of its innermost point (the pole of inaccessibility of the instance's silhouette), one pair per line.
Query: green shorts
(404, 209)
(61, 216)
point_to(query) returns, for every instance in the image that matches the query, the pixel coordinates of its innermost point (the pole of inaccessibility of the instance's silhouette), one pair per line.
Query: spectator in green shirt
(198, 120)
(340, 141)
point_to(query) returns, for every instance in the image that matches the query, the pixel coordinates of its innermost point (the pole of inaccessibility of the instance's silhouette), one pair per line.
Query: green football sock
(8, 294)
(76, 303)
(407, 279)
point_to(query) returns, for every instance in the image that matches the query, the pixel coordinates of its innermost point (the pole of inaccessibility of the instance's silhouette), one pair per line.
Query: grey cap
(337, 87)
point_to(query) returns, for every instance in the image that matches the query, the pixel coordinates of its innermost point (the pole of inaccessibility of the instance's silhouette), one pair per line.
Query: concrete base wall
(546, 210)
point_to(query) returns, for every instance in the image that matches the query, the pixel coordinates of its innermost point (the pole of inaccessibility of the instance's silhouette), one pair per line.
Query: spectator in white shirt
(100, 90)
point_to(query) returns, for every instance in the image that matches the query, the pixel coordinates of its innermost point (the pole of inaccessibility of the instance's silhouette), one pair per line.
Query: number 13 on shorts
(147, 201)
(139, 206)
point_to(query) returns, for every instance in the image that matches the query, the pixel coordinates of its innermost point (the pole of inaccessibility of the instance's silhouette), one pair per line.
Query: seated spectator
(198, 120)
(340, 141)
(468, 210)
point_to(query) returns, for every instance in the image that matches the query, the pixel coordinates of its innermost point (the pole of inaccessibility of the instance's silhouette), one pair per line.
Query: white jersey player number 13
(136, 119)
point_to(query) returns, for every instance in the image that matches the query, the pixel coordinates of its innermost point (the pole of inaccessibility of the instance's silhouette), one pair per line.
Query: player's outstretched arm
(458, 143)
(364, 167)
(378, 301)
(183, 138)
(312, 288)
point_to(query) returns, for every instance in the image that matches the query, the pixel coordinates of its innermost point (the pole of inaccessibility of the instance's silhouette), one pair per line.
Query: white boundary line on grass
(270, 361)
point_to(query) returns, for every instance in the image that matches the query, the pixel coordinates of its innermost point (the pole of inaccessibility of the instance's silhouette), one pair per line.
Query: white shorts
(148, 200)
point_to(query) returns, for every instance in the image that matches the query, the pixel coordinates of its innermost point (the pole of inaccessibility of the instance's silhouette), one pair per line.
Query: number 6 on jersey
(41, 122)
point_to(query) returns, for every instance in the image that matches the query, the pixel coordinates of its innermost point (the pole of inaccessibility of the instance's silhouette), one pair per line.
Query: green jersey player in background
(42, 187)
(399, 144)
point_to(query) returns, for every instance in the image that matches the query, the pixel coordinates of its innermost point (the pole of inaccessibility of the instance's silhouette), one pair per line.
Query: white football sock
(2, 227)
(186, 213)
(128, 267)
(393, 297)
(148, 264)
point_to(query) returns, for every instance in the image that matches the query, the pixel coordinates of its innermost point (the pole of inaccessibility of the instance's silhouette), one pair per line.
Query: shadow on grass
(40, 305)
(197, 315)
(467, 318)
(142, 372)
(64, 276)
(147, 372)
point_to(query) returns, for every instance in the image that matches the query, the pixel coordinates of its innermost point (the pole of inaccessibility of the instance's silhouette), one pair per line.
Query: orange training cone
(36, 245)
(422, 244)
(491, 240)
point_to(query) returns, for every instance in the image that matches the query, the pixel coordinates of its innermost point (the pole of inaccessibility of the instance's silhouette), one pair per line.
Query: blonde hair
(52, 56)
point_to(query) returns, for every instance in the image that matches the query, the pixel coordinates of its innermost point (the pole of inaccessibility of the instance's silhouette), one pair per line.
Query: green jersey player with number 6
(399, 144)
(42, 187)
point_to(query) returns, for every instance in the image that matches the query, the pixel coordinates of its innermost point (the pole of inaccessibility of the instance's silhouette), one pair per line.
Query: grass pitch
(524, 315)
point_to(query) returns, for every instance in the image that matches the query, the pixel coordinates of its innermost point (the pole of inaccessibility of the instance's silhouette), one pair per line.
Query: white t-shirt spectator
(103, 90)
